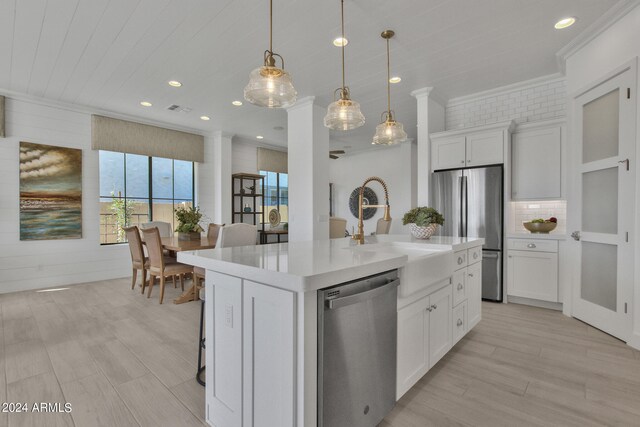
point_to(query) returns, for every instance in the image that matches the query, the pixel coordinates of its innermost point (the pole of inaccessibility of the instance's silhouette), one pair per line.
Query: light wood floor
(123, 360)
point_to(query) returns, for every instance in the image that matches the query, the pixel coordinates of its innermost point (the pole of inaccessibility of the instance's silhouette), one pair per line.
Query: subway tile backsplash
(526, 211)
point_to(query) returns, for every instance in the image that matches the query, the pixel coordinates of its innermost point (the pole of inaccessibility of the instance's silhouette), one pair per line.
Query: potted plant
(423, 221)
(188, 223)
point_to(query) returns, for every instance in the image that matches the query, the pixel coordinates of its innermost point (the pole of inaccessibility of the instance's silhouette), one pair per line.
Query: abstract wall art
(50, 192)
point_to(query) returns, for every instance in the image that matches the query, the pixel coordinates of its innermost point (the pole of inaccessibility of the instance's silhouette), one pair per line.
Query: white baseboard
(536, 303)
(634, 340)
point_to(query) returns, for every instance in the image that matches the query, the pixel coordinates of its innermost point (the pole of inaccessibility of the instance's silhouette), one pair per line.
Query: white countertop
(308, 266)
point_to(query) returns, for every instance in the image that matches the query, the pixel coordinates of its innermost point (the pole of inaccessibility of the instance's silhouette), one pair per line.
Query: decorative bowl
(540, 227)
(422, 232)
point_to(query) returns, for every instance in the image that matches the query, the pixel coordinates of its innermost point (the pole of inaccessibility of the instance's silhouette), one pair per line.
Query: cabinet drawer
(535, 245)
(460, 259)
(459, 287)
(475, 255)
(459, 319)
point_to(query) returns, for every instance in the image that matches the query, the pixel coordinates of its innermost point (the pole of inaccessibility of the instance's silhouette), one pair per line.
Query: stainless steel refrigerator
(471, 201)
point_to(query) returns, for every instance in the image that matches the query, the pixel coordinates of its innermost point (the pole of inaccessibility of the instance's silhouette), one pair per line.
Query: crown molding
(84, 109)
(509, 126)
(302, 102)
(501, 90)
(600, 25)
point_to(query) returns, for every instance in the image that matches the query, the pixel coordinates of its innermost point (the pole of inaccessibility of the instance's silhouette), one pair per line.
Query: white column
(308, 149)
(430, 120)
(221, 178)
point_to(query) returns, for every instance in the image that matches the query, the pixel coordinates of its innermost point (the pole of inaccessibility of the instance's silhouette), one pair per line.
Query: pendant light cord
(343, 43)
(271, 26)
(388, 83)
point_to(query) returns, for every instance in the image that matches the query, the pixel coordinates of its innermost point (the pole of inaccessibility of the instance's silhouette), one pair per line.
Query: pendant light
(343, 114)
(389, 132)
(270, 86)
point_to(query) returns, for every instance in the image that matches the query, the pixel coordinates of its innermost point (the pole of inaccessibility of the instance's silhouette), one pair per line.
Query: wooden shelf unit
(255, 200)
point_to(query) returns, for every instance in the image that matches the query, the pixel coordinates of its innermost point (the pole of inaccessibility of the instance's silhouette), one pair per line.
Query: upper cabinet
(470, 147)
(536, 156)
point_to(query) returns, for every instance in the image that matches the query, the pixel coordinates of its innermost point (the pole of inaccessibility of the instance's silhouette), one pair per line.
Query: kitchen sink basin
(426, 265)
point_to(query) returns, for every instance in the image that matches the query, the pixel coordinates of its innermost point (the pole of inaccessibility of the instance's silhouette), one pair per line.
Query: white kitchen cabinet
(449, 153)
(536, 155)
(474, 294)
(532, 272)
(249, 377)
(485, 148)
(440, 332)
(413, 345)
(483, 145)
(460, 322)
(268, 354)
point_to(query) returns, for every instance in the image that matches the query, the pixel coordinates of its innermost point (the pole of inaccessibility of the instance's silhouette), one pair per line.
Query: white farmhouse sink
(427, 264)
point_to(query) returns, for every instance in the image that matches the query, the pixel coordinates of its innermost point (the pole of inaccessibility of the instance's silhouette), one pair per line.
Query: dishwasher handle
(362, 296)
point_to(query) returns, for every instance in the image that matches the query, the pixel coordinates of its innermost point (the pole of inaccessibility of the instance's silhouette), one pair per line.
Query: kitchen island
(262, 317)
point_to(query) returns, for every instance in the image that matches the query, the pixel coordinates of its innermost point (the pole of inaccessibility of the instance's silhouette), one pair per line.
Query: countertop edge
(538, 236)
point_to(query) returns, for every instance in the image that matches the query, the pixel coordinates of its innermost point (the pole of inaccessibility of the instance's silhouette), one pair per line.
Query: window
(276, 194)
(135, 189)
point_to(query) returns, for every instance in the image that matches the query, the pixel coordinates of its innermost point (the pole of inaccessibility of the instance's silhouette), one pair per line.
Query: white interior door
(605, 134)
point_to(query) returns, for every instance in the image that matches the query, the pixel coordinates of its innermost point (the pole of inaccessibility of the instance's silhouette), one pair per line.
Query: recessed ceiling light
(174, 83)
(339, 42)
(237, 103)
(205, 118)
(395, 79)
(146, 104)
(565, 22)
(259, 137)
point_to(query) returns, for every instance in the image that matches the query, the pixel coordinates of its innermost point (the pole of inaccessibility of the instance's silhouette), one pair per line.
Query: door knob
(459, 322)
(470, 274)
(576, 235)
(434, 306)
(460, 286)
(531, 245)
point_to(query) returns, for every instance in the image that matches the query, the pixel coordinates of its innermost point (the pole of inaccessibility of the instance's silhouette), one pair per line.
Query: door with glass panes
(605, 184)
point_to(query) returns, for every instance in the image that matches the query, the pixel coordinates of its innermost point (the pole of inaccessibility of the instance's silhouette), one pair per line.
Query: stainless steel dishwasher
(357, 336)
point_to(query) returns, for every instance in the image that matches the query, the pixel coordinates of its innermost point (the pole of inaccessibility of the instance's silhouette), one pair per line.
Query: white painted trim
(599, 26)
(540, 124)
(535, 302)
(634, 340)
(302, 102)
(84, 109)
(421, 93)
(526, 84)
(509, 125)
(605, 78)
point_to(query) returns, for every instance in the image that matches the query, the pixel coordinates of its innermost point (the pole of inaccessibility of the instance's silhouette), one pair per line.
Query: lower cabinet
(424, 336)
(532, 269)
(250, 352)
(474, 294)
(440, 335)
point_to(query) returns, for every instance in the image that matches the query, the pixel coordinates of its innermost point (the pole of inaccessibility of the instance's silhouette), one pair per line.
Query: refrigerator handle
(463, 210)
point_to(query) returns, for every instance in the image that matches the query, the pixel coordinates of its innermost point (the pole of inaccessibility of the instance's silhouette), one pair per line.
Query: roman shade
(1, 116)
(272, 160)
(135, 138)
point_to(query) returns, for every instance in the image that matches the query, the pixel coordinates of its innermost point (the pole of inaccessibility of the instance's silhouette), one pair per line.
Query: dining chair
(212, 234)
(239, 234)
(158, 265)
(383, 226)
(163, 227)
(337, 227)
(138, 260)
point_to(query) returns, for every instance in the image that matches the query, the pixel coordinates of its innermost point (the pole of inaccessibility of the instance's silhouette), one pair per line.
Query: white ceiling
(111, 54)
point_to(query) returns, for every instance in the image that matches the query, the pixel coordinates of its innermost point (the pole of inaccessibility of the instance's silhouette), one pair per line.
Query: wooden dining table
(174, 244)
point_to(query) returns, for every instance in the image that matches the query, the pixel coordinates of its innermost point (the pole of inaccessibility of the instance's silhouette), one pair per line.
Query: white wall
(613, 48)
(40, 264)
(244, 156)
(532, 100)
(395, 165)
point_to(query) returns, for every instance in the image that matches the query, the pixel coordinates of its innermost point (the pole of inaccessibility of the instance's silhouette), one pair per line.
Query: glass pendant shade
(344, 114)
(389, 132)
(270, 86)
